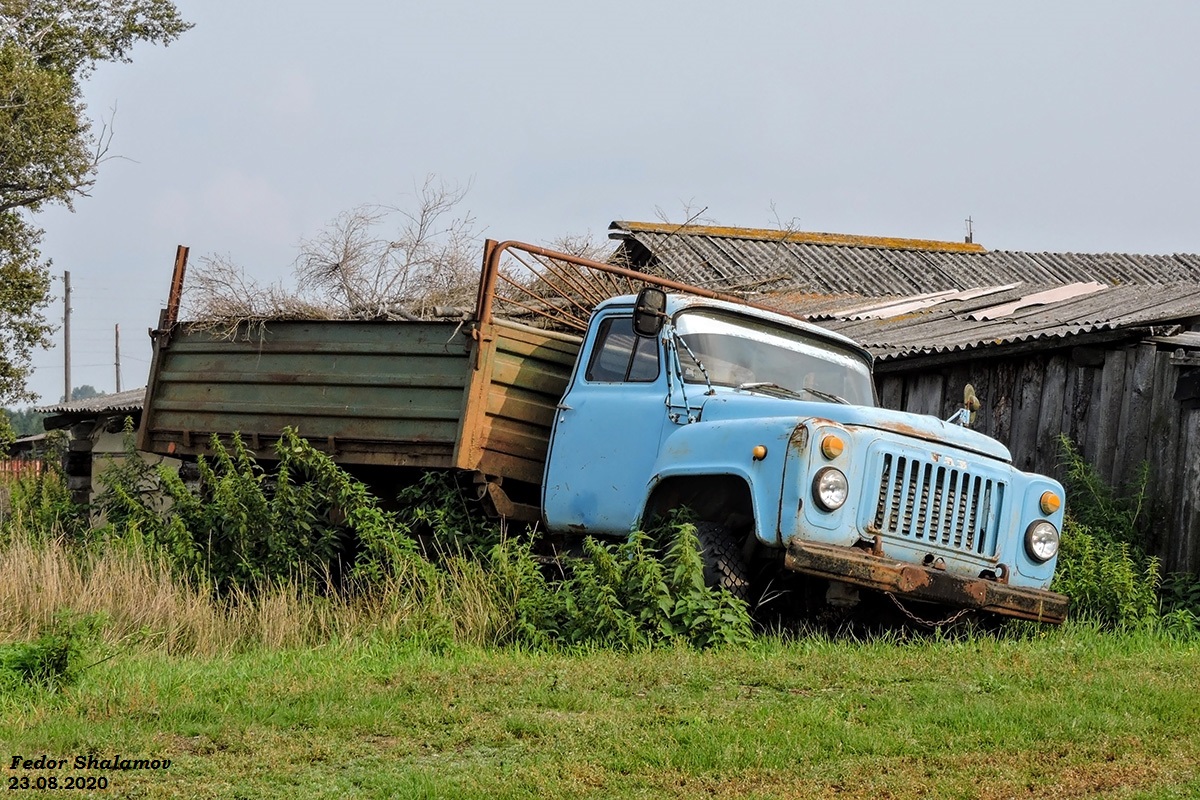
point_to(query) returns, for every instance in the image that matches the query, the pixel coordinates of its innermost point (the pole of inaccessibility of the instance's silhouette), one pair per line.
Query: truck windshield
(740, 351)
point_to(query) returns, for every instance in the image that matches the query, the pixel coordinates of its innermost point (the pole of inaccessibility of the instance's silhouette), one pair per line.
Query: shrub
(39, 505)
(55, 658)
(244, 527)
(1108, 581)
(1102, 565)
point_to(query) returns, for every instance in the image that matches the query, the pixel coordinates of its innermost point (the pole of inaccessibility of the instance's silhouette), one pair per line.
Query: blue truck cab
(768, 429)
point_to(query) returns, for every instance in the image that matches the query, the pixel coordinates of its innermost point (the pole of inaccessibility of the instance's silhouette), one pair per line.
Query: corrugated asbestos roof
(117, 403)
(903, 298)
(954, 324)
(872, 266)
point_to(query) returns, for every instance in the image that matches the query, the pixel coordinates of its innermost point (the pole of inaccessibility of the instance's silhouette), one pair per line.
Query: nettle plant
(1104, 566)
(307, 521)
(242, 525)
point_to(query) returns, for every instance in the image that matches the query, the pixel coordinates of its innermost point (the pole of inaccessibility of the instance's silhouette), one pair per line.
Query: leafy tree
(24, 421)
(85, 392)
(49, 152)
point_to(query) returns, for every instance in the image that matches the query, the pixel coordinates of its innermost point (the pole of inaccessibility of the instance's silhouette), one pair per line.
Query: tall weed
(306, 545)
(57, 656)
(1108, 581)
(626, 596)
(1102, 564)
(244, 527)
(1116, 515)
(40, 504)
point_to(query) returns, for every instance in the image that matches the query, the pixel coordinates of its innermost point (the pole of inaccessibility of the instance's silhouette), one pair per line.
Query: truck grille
(937, 503)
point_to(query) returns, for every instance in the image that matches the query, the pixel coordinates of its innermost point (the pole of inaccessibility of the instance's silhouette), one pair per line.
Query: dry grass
(148, 608)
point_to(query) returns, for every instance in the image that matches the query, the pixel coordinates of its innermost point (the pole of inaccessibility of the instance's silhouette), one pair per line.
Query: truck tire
(724, 565)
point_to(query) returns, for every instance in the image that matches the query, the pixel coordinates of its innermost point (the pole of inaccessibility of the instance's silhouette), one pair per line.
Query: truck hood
(739, 404)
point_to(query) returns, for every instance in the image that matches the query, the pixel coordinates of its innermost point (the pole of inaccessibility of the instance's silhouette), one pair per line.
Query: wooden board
(519, 377)
(388, 393)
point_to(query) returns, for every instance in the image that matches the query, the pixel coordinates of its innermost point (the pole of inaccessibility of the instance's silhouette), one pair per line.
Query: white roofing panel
(1040, 299)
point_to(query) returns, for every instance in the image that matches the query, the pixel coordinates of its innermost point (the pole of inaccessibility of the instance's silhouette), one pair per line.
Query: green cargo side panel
(386, 393)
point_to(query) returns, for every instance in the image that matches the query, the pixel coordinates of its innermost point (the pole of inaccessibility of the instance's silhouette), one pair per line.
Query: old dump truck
(591, 398)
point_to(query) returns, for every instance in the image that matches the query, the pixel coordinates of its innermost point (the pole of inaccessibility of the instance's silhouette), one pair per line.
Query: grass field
(1067, 713)
(258, 676)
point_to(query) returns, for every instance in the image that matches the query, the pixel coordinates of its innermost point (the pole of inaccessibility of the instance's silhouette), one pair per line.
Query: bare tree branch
(356, 267)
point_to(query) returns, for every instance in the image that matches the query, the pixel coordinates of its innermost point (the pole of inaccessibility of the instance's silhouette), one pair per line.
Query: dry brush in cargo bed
(306, 522)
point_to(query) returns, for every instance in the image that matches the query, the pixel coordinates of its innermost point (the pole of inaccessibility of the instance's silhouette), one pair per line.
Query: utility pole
(66, 336)
(117, 363)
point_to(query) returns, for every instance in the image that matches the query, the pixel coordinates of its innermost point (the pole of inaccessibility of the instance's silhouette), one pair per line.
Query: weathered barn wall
(1117, 404)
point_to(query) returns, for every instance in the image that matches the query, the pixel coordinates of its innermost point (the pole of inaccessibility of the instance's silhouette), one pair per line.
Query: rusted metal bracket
(482, 336)
(863, 568)
(497, 503)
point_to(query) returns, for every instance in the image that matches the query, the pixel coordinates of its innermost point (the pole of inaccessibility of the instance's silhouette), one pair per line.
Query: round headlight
(830, 489)
(1041, 541)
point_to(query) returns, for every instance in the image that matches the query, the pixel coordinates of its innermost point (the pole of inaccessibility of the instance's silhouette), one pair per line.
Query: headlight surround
(1041, 541)
(830, 488)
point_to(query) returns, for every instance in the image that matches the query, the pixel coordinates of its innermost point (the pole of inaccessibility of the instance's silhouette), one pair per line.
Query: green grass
(1068, 713)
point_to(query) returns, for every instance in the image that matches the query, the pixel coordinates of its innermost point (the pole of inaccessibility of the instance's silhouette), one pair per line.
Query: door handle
(563, 407)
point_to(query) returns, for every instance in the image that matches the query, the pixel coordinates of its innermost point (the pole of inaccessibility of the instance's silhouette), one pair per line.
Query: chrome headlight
(1041, 541)
(830, 488)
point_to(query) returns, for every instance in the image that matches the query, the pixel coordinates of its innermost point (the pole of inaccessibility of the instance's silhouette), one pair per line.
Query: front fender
(726, 447)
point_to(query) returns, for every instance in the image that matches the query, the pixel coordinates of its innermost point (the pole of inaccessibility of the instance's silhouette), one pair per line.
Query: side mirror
(649, 311)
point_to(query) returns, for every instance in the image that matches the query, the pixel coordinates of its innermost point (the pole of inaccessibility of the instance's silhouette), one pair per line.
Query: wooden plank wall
(1117, 404)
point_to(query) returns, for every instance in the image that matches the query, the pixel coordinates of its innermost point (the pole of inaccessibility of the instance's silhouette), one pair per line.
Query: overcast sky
(1068, 126)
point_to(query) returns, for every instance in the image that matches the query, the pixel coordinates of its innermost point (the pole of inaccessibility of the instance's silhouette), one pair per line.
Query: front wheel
(724, 565)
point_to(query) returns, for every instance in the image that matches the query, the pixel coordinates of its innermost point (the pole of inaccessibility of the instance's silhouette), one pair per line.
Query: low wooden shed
(96, 429)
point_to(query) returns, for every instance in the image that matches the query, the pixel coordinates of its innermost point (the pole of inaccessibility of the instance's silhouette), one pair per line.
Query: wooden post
(117, 353)
(66, 336)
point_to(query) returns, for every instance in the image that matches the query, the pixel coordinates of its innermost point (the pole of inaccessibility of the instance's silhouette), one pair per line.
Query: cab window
(620, 355)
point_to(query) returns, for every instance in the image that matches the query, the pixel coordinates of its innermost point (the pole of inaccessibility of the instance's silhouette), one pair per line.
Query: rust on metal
(176, 296)
(501, 505)
(798, 441)
(903, 429)
(862, 568)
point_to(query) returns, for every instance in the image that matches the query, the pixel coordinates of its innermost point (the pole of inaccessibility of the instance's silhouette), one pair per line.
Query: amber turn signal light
(1050, 503)
(832, 446)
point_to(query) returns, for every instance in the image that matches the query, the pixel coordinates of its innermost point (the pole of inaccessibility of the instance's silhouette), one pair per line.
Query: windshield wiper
(830, 396)
(799, 393)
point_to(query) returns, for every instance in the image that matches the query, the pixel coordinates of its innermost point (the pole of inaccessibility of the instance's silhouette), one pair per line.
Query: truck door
(607, 432)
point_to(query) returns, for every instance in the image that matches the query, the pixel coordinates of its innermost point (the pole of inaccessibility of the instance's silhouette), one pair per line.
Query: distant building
(96, 428)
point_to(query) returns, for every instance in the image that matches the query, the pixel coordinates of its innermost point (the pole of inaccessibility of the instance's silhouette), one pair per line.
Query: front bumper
(863, 568)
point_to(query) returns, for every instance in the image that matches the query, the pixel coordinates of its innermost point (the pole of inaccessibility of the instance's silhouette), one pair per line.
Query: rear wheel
(724, 564)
